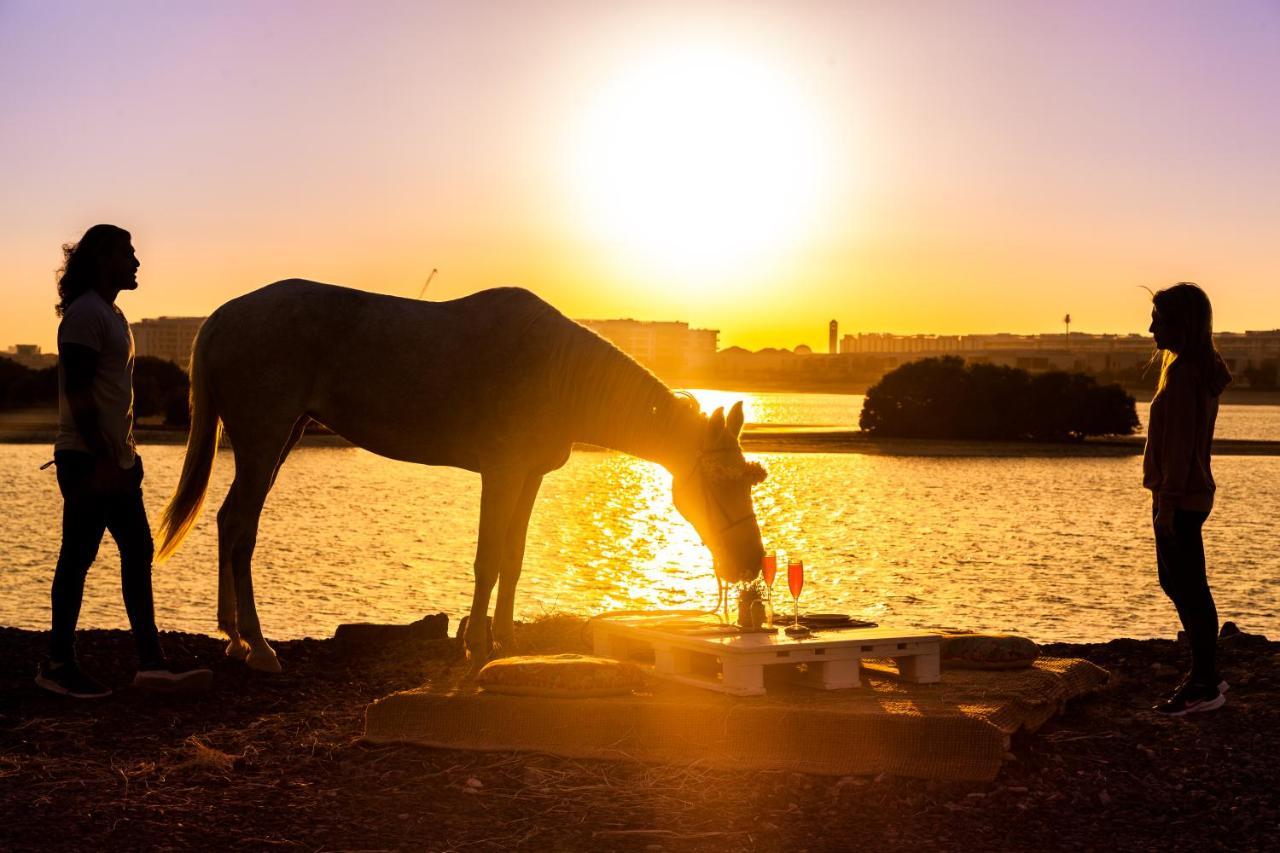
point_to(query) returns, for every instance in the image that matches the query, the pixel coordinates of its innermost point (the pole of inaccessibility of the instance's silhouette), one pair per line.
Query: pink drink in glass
(795, 580)
(795, 577)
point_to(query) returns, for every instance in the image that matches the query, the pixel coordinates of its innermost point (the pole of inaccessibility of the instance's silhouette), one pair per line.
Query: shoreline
(279, 761)
(822, 440)
(1141, 394)
(333, 636)
(799, 439)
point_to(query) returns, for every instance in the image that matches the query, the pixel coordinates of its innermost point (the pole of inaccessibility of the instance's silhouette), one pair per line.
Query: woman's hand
(1164, 523)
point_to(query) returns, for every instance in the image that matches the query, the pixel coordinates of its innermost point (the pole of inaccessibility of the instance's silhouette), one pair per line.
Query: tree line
(945, 398)
(160, 387)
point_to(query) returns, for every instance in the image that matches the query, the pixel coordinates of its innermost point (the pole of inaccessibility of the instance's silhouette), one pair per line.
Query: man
(99, 471)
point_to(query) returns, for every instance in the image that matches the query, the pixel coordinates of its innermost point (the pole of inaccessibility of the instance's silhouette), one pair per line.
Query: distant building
(700, 352)
(169, 338)
(1106, 355)
(30, 356)
(666, 348)
(833, 329)
(878, 343)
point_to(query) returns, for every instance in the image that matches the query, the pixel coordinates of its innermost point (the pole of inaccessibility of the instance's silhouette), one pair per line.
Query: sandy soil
(276, 763)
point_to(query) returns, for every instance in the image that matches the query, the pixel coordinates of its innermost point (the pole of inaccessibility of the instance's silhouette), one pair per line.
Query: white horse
(498, 382)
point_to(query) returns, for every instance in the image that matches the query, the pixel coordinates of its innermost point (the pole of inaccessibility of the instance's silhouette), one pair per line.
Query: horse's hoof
(238, 650)
(477, 658)
(263, 661)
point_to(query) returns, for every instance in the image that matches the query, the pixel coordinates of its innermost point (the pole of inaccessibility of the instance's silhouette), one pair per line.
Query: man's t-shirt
(92, 322)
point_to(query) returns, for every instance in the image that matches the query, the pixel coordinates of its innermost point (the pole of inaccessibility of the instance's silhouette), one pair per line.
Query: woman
(1175, 467)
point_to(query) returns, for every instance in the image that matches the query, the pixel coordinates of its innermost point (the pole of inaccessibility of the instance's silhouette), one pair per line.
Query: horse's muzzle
(740, 568)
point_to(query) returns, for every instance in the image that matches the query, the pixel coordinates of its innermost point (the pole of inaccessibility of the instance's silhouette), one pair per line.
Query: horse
(498, 382)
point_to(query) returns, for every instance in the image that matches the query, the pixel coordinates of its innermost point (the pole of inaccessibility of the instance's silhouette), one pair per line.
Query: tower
(831, 337)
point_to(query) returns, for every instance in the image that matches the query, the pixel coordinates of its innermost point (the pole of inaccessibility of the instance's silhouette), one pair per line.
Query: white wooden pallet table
(735, 663)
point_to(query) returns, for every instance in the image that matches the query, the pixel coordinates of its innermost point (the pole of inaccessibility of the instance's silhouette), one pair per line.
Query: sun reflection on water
(779, 409)
(636, 551)
(1055, 548)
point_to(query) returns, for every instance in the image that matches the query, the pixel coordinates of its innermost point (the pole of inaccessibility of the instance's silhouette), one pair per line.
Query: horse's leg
(257, 458)
(513, 561)
(237, 647)
(295, 436)
(498, 497)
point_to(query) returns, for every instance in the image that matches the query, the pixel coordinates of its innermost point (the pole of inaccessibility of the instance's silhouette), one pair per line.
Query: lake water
(842, 410)
(1059, 549)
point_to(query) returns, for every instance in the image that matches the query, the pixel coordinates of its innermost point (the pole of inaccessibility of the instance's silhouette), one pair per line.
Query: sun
(698, 163)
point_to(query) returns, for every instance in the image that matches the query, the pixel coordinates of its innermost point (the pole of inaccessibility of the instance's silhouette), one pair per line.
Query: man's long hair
(1186, 307)
(81, 262)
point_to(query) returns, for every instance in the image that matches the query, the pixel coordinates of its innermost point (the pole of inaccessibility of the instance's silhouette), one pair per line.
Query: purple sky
(986, 166)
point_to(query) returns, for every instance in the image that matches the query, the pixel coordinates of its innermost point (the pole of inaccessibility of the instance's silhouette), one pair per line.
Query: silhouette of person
(99, 470)
(1175, 467)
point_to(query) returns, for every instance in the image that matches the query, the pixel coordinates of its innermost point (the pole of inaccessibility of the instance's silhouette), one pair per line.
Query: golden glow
(647, 555)
(757, 168)
(698, 162)
(711, 399)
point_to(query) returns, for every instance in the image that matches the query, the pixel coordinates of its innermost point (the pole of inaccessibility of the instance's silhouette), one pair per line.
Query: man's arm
(79, 365)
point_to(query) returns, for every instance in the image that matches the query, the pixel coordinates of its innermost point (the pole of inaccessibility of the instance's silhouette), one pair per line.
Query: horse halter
(710, 500)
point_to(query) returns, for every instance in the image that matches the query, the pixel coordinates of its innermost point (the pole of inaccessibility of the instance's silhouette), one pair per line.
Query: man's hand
(108, 477)
(1164, 523)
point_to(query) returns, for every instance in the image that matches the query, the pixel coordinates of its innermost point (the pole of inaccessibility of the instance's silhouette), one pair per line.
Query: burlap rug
(957, 730)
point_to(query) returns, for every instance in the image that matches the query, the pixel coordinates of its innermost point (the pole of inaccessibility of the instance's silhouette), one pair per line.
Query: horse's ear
(733, 423)
(715, 424)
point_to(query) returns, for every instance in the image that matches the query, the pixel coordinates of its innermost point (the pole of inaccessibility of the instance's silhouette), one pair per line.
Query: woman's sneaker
(1223, 686)
(161, 677)
(67, 679)
(1192, 699)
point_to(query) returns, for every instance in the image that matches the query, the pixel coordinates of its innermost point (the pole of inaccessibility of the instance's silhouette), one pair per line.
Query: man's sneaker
(1192, 699)
(161, 677)
(67, 679)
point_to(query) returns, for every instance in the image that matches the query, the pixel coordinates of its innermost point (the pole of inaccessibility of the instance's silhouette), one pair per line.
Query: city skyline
(593, 322)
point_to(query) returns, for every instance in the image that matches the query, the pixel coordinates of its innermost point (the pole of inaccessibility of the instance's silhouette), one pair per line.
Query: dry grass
(269, 762)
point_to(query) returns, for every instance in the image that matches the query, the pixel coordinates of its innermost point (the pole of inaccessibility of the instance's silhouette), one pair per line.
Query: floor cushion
(988, 651)
(560, 676)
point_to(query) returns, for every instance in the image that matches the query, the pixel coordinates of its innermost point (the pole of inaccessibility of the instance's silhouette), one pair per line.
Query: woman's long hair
(1185, 307)
(80, 262)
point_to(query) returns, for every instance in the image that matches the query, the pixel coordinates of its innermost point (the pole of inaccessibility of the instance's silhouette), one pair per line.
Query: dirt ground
(276, 763)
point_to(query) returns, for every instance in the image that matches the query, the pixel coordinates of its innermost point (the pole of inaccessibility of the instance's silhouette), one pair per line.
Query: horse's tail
(202, 446)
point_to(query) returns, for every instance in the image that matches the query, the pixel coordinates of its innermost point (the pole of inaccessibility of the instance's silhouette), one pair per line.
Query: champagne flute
(769, 569)
(795, 580)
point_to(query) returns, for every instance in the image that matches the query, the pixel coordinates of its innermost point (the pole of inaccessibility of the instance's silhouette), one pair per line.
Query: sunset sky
(760, 168)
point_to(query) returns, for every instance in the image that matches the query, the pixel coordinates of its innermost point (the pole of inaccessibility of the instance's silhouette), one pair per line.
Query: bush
(177, 411)
(944, 398)
(22, 387)
(1264, 375)
(160, 387)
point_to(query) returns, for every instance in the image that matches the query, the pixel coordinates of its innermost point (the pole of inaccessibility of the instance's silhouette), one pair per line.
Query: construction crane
(427, 282)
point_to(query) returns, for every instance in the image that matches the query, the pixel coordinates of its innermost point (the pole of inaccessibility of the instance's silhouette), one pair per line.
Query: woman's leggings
(1180, 559)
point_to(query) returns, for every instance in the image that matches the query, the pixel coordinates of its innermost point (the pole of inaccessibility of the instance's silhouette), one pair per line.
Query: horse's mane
(617, 401)
(614, 394)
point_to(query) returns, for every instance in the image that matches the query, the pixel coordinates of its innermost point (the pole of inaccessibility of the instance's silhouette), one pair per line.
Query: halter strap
(710, 499)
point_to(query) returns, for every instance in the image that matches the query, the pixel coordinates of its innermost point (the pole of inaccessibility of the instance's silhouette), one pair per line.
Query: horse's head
(714, 493)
